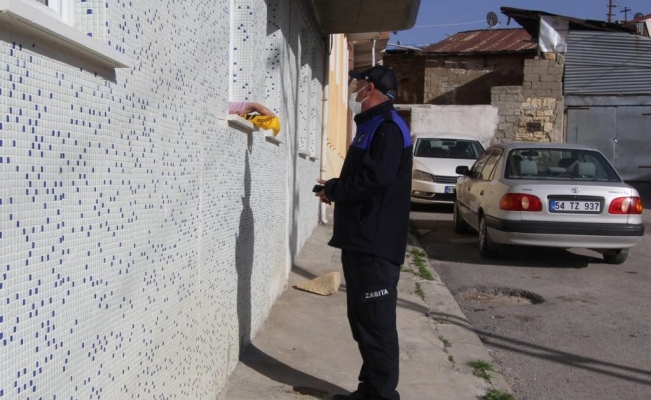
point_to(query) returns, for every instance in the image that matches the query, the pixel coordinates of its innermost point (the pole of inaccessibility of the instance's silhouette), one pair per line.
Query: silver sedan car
(554, 195)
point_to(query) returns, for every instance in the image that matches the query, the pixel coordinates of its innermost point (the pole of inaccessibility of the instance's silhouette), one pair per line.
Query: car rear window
(559, 164)
(448, 148)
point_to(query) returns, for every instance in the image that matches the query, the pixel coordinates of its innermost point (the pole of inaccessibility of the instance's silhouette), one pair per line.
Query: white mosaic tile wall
(142, 239)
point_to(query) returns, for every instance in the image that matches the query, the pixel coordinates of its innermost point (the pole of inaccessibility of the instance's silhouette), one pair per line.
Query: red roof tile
(485, 41)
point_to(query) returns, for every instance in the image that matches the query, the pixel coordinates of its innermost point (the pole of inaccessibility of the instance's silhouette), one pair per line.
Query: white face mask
(354, 105)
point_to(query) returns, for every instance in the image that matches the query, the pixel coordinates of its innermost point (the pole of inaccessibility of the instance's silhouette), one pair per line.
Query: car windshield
(559, 165)
(448, 148)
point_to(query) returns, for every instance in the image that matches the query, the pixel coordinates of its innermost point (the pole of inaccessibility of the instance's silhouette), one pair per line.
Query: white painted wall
(142, 237)
(476, 121)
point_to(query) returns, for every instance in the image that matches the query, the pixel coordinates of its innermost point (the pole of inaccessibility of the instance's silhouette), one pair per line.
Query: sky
(452, 16)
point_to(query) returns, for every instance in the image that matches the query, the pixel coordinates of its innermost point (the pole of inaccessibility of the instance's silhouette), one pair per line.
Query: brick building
(462, 69)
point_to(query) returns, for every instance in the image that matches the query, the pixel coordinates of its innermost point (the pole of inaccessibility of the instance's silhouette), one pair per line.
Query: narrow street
(589, 339)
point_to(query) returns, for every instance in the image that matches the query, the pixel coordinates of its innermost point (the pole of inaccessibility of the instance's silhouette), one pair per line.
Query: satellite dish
(638, 15)
(492, 20)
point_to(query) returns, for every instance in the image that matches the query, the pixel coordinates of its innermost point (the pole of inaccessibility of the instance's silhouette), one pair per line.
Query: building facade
(145, 233)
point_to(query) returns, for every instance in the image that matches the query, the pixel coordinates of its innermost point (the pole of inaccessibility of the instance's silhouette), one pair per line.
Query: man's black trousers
(372, 294)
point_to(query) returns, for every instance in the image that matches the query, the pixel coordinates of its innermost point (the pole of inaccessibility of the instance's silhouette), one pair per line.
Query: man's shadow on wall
(244, 259)
(250, 355)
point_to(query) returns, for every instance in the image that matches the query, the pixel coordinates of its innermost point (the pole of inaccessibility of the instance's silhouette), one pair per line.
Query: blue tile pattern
(143, 239)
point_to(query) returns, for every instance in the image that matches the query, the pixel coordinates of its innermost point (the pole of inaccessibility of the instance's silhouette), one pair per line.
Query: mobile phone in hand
(317, 188)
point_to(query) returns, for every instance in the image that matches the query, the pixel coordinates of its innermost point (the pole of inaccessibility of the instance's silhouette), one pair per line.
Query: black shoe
(353, 396)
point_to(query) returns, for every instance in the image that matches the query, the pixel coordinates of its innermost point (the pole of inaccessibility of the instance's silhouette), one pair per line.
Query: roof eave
(358, 16)
(530, 20)
(482, 53)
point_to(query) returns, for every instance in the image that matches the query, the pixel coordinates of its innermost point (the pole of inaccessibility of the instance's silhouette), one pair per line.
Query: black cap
(382, 77)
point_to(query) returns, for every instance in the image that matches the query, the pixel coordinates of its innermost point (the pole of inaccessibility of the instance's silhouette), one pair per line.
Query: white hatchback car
(436, 157)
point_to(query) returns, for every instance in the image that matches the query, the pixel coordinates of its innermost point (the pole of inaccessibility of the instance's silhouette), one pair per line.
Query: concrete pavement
(306, 351)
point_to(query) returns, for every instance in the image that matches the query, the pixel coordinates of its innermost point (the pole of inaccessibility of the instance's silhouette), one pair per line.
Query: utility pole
(611, 6)
(626, 10)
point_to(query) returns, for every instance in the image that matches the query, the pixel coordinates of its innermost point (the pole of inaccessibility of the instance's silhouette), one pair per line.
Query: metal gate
(621, 133)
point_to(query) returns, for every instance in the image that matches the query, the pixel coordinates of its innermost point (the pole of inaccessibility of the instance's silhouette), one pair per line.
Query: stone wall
(532, 112)
(453, 80)
(409, 69)
(467, 80)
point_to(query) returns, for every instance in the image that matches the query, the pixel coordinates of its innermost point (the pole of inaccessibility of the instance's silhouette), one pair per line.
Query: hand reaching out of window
(245, 107)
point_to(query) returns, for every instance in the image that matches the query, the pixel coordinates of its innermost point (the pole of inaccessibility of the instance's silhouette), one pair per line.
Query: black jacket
(373, 193)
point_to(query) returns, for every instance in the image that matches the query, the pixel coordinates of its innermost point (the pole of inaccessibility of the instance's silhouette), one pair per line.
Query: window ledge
(239, 122)
(19, 16)
(269, 136)
(247, 127)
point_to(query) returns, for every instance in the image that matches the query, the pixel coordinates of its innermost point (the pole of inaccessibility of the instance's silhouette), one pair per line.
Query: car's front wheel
(617, 257)
(487, 248)
(460, 225)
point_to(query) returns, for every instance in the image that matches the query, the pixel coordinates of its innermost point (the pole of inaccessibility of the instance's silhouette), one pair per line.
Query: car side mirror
(462, 170)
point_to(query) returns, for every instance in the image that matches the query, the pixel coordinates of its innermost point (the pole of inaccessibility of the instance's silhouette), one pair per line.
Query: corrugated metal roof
(530, 20)
(485, 41)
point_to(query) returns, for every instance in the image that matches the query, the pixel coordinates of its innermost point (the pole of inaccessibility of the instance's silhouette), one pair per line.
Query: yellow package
(264, 122)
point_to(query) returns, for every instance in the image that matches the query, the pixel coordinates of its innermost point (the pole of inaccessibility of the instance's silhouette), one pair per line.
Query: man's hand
(322, 194)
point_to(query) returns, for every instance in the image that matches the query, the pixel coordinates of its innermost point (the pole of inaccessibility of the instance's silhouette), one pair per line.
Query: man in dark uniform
(371, 218)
